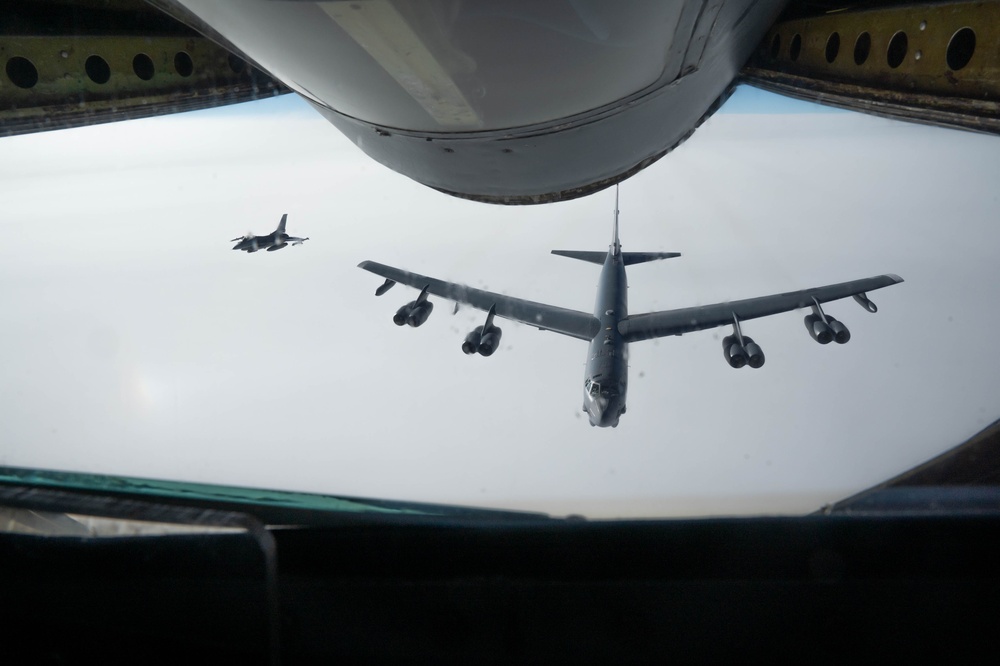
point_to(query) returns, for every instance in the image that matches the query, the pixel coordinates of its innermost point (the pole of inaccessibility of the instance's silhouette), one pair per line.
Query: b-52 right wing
(573, 323)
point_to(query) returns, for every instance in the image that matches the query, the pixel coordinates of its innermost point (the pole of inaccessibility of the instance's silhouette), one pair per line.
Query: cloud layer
(136, 342)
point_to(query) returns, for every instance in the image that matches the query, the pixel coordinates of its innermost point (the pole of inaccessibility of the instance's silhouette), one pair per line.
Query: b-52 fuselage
(275, 240)
(610, 329)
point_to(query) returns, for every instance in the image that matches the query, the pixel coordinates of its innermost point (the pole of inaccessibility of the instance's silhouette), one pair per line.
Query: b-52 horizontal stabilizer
(628, 258)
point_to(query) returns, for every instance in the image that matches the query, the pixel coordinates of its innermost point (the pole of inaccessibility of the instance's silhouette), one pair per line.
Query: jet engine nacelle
(840, 333)
(419, 313)
(755, 355)
(818, 329)
(735, 355)
(471, 344)
(490, 340)
(413, 313)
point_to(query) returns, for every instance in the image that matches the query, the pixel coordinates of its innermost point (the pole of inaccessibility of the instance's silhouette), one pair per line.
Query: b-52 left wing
(573, 323)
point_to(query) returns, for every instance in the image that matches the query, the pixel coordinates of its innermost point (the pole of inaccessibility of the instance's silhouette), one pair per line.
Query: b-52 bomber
(275, 240)
(610, 329)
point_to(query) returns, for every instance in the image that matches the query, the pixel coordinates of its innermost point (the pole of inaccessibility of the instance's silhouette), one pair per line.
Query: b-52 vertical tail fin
(628, 258)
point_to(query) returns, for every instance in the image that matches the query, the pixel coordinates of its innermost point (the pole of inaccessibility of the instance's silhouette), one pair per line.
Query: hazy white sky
(137, 343)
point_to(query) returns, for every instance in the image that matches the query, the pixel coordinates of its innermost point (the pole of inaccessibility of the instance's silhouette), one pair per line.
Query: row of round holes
(23, 74)
(961, 47)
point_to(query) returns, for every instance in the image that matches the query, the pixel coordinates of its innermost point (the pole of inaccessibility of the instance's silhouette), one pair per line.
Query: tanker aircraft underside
(610, 329)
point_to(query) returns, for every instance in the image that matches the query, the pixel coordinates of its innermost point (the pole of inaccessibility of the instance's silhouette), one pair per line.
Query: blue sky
(745, 100)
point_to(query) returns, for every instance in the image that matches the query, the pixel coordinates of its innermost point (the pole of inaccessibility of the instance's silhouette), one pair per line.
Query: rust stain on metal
(932, 62)
(60, 69)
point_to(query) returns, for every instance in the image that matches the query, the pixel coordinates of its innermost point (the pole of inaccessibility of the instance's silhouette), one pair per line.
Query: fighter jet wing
(573, 323)
(685, 320)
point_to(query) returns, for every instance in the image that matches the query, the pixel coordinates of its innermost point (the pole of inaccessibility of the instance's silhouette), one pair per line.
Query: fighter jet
(610, 329)
(275, 240)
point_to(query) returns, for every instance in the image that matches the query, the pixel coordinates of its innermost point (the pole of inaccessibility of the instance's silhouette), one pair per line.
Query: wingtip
(364, 264)
(895, 278)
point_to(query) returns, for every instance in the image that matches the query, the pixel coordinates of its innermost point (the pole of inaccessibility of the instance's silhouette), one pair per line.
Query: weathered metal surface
(943, 483)
(79, 65)
(936, 63)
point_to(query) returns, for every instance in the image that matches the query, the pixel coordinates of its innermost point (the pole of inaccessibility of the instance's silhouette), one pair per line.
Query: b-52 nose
(598, 412)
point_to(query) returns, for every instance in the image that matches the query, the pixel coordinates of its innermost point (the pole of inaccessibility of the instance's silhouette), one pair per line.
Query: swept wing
(573, 323)
(686, 320)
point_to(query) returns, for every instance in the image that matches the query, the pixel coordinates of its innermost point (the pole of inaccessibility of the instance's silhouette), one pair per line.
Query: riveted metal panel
(937, 63)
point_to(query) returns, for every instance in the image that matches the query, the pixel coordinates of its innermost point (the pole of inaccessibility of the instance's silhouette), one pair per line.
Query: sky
(136, 342)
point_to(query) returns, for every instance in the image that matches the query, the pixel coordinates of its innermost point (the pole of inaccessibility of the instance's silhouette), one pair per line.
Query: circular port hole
(795, 48)
(776, 46)
(862, 47)
(97, 69)
(22, 72)
(142, 65)
(183, 64)
(961, 48)
(896, 52)
(237, 64)
(832, 47)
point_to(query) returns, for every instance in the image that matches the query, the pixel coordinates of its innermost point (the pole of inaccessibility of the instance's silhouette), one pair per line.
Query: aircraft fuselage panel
(606, 378)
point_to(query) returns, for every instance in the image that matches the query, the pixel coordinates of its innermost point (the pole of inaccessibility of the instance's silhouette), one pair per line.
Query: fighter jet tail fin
(281, 225)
